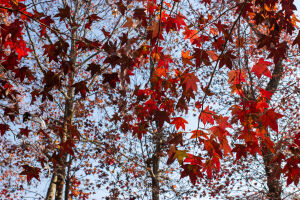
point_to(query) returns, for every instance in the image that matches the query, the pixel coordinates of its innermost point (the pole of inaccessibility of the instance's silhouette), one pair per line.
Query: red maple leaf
(67, 147)
(219, 43)
(269, 119)
(179, 21)
(198, 104)
(261, 105)
(3, 128)
(31, 172)
(64, 13)
(81, 87)
(67, 67)
(94, 68)
(21, 49)
(190, 81)
(176, 139)
(22, 73)
(261, 68)
(241, 151)
(226, 59)
(186, 58)
(279, 52)
(45, 22)
(170, 24)
(139, 13)
(111, 79)
(223, 122)
(52, 52)
(92, 18)
(179, 122)
(201, 56)
(193, 171)
(25, 131)
(193, 160)
(161, 117)
(198, 133)
(207, 116)
(190, 34)
(292, 171)
(265, 93)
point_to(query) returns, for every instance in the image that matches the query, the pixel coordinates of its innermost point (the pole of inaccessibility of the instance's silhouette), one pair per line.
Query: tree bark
(157, 140)
(61, 173)
(68, 118)
(67, 190)
(51, 188)
(273, 183)
(155, 169)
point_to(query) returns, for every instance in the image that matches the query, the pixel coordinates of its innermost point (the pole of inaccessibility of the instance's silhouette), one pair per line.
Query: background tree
(59, 82)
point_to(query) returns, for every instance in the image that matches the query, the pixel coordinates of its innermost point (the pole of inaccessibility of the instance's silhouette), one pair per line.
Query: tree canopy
(147, 99)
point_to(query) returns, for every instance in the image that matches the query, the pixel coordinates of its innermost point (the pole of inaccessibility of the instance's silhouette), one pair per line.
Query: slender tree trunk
(61, 173)
(157, 140)
(51, 188)
(68, 115)
(62, 166)
(155, 169)
(273, 183)
(67, 190)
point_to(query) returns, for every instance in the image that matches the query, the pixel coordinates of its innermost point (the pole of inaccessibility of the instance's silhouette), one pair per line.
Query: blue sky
(297, 3)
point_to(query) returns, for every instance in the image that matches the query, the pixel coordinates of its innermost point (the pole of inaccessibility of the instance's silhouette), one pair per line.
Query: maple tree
(112, 88)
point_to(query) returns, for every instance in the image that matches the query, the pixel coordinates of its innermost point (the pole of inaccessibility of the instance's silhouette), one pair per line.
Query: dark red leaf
(3, 128)
(31, 172)
(24, 131)
(111, 79)
(94, 69)
(81, 87)
(64, 13)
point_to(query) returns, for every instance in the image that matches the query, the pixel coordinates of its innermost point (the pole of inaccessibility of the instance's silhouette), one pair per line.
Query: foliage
(106, 94)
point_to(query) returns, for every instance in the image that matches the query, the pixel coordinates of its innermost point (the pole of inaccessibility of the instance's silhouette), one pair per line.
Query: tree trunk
(273, 183)
(155, 169)
(51, 188)
(67, 190)
(157, 140)
(68, 118)
(61, 173)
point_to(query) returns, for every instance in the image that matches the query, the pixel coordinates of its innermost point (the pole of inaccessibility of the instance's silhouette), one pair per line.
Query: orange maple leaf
(186, 58)
(179, 122)
(236, 77)
(190, 34)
